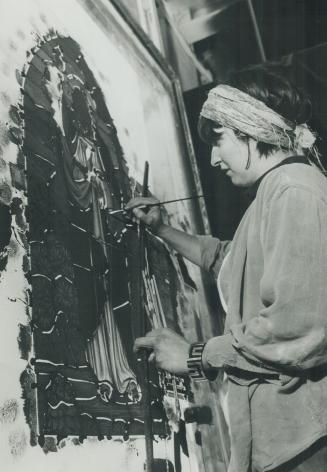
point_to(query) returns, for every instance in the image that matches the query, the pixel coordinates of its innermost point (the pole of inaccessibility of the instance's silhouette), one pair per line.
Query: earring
(248, 163)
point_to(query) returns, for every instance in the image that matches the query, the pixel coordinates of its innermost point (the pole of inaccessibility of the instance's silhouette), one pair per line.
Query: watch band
(194, 362)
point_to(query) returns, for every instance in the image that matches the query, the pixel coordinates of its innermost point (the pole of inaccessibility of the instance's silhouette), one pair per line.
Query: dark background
(294, 33)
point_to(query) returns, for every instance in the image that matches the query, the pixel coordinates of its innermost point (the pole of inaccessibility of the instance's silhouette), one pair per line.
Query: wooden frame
(182, 121)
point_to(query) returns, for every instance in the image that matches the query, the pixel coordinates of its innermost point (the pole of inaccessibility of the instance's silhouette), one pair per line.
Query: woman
(272, 277)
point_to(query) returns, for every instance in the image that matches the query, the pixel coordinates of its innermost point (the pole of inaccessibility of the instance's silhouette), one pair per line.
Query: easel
(151, 465)
(142, 356)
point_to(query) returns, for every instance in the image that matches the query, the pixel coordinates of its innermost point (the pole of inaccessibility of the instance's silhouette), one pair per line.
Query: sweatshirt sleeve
(213, 251)
(290, 331)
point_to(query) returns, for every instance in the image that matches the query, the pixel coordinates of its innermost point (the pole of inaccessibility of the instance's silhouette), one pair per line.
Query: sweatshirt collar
(252, 191)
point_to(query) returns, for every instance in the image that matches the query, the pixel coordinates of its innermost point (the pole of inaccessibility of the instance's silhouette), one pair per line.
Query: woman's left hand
(169, 350)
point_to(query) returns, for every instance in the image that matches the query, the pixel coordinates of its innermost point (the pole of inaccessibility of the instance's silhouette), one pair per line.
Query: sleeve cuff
(213, 252)
(220, 353)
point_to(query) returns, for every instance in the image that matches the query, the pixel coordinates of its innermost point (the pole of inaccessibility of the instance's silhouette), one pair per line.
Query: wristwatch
(194, 362)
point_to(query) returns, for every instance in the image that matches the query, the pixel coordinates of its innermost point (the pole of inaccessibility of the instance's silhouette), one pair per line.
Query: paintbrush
(123, 210)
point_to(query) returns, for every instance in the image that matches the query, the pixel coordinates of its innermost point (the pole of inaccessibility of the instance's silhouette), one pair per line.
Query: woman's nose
(215, 159)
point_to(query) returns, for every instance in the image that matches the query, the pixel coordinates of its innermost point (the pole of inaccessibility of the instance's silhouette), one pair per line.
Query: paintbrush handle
(159, 203)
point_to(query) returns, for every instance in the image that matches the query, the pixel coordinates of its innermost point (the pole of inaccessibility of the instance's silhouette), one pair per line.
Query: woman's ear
(253, 148)
(253, 152)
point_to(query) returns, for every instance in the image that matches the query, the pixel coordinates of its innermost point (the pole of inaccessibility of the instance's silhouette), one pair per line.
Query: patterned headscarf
(230, 107)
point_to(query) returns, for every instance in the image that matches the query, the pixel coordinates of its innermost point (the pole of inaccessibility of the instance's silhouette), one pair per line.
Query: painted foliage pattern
(83, 259)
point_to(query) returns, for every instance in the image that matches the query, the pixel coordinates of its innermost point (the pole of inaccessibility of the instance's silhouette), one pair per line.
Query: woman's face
(231, 154)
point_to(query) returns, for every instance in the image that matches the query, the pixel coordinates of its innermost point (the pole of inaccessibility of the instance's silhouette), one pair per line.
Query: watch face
(194, 362)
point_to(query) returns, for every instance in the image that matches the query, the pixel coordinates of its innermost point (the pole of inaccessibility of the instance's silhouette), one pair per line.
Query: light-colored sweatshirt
(274, 349)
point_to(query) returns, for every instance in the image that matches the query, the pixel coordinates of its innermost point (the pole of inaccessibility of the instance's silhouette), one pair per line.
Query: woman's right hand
(152, 218)
(185, 244)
